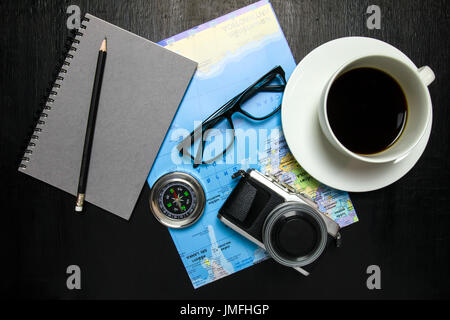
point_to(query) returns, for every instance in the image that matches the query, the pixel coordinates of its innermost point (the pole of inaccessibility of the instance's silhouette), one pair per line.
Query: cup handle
(427, 75)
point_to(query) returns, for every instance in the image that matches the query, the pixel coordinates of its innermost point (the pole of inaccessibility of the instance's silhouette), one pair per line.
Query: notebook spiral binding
(46, 105)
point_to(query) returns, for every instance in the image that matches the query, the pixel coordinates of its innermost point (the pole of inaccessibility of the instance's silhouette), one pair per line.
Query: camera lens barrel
(294, 234)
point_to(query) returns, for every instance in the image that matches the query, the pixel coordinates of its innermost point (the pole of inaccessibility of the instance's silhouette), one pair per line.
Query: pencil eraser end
(78, 208)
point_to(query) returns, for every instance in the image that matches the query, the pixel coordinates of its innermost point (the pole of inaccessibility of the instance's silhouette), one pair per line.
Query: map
(278, 161)
(233, 51)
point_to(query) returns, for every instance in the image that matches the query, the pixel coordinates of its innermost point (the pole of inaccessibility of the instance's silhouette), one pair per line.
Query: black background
(403, 228)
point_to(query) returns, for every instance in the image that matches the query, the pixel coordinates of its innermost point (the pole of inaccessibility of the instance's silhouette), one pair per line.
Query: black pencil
(90, 128)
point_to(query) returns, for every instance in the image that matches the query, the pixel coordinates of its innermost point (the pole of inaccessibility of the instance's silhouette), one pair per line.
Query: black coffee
(367, 110)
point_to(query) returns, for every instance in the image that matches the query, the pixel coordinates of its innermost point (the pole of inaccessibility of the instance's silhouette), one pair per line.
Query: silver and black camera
(287, 224)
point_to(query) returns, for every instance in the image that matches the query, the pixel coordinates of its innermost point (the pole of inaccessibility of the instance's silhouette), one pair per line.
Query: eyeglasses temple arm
(274, 88)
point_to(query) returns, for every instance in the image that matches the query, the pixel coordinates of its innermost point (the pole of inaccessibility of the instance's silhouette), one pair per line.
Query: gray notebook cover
(143, 84)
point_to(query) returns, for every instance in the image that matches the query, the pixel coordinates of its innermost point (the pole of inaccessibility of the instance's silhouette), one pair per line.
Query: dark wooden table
(404, 228)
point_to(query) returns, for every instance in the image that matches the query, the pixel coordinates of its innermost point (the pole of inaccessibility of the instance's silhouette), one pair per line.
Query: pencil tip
(103, 46)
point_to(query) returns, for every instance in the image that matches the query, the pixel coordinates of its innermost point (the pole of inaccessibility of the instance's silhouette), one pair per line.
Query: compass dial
(177, 200)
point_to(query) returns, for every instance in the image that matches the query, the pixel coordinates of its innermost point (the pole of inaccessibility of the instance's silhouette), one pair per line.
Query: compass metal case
(177, 200)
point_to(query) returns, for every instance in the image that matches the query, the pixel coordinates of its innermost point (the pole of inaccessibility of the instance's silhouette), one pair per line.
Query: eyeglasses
(258, 102)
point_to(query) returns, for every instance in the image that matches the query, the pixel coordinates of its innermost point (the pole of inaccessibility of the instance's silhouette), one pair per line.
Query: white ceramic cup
(414, 83)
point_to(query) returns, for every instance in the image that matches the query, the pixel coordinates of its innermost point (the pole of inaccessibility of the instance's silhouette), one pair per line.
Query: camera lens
(294, 234)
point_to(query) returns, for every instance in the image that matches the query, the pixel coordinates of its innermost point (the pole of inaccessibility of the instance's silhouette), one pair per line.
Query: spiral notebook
(143, 84)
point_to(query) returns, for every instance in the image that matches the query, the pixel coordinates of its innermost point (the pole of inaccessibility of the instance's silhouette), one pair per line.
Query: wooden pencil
(90, 128)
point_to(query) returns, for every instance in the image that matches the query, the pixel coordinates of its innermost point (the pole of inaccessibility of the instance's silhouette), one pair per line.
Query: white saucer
(301, 124)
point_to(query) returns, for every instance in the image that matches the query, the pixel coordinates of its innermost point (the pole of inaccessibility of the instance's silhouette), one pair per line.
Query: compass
(177, 200)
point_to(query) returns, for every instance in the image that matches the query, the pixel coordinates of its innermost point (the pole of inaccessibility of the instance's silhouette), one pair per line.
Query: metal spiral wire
(46, 104)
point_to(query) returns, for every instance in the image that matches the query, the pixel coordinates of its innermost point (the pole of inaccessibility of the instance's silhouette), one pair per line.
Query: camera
(277, 218)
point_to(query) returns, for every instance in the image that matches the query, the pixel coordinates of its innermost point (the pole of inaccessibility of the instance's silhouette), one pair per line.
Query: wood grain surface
(403, 228)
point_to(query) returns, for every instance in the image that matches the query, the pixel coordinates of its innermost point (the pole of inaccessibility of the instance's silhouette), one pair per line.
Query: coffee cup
(376, 108)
